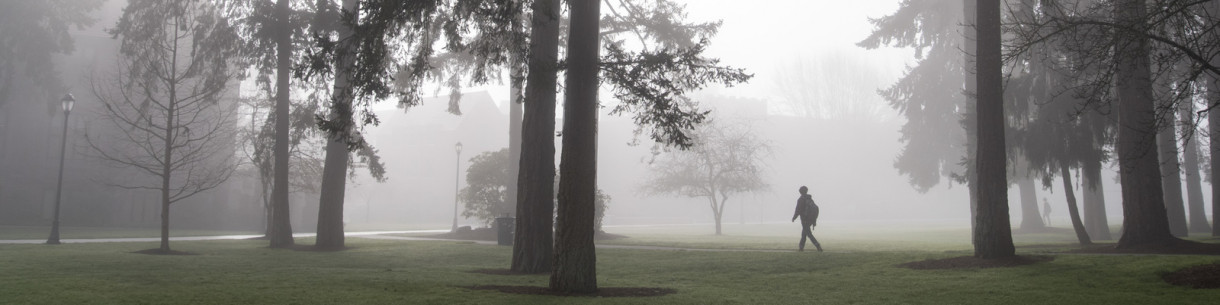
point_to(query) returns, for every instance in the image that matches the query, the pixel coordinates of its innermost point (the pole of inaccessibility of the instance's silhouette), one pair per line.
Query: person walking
(1046, 211)
(807, 211)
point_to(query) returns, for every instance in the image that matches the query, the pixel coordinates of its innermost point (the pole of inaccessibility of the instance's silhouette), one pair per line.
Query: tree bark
(994, 232)
(533, 241)
(334, 172)
(1144, 218)
(281, 224)
(717, 212)
(514, 142)
(167, 169)
(1171, 181)
(1213, 124)
(1190, 166)
(575, 268)
(1094, 201)
(969, 44)
(1031, 218)
(1073, 212)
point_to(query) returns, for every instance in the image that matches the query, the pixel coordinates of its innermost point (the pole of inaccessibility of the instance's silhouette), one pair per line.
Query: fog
(846, 156)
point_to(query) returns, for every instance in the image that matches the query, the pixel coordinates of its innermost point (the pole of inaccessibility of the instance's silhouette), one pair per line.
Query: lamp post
(457, 169)
(67, 101)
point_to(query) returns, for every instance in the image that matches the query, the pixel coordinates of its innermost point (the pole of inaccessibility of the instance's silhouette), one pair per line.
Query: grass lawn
(435, 272)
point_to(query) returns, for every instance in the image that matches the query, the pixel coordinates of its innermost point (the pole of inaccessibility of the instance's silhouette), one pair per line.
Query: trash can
(505, 226)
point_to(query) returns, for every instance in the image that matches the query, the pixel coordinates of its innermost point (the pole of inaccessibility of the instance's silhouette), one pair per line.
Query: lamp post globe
(66, 102)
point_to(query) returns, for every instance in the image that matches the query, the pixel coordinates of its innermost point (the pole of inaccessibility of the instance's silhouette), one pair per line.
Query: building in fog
(30, 131)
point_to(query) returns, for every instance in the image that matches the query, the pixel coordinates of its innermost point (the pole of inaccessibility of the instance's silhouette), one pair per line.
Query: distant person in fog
(807, 211)
(1046, 211)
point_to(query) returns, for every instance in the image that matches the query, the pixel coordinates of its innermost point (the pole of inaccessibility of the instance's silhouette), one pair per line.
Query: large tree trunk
(534, 237)
(514, 142)
(1073, 212)
(994, 232)
(1144, 218)
(1213, 125)
(1031, 218)
(969, 44)
(1190, 166)
(1094, 201)
(717, 211)
(575, 268)
(1171, 181)
(334, 172)
(281, 224)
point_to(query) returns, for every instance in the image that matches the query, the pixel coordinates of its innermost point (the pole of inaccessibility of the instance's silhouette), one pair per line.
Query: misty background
(844, 152)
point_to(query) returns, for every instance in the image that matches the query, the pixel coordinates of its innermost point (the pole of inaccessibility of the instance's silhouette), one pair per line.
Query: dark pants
(807, 231)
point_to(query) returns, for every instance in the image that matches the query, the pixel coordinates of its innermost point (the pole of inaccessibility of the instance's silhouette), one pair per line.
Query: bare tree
(832, 86)
(164, 102)
(727, 158)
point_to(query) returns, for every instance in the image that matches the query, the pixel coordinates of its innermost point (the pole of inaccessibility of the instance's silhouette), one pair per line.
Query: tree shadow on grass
(609, 292)
(1197, 277)
(970, 262)
(159, 251)
(1177, 246)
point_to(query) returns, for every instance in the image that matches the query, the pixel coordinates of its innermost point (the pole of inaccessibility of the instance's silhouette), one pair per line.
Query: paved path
(381, 235)
(492, 243)
(196, 238)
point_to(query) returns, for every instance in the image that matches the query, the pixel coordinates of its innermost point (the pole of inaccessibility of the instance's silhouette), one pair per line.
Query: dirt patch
(1042, 230)
(158, 251)
(1183, 247)
(1197, 277)
(504, 272)
(609, 292)
(968, 262)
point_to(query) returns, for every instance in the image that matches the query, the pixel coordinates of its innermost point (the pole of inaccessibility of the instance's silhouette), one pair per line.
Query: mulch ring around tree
(504, 272)
(608, 292)
(969, 262)
(1197, 277)
(158, 251)
(489, 234)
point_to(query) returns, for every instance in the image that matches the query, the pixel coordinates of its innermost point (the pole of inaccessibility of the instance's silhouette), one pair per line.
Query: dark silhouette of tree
(1190, 167)
(1052, 133)
(727, 158)
(1128, 52)
(938, 129)
(1144, 219)
(34, 33)
(534, 241)
(165, 100)
(1167, 152)
(575, 265)
(993, 237)
(487, 182)
(357, 80)
(258, 140)
(281, 225)
(1212, 81)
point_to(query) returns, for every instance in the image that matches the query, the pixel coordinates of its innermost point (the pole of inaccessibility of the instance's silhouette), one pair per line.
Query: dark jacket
(806, 210)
